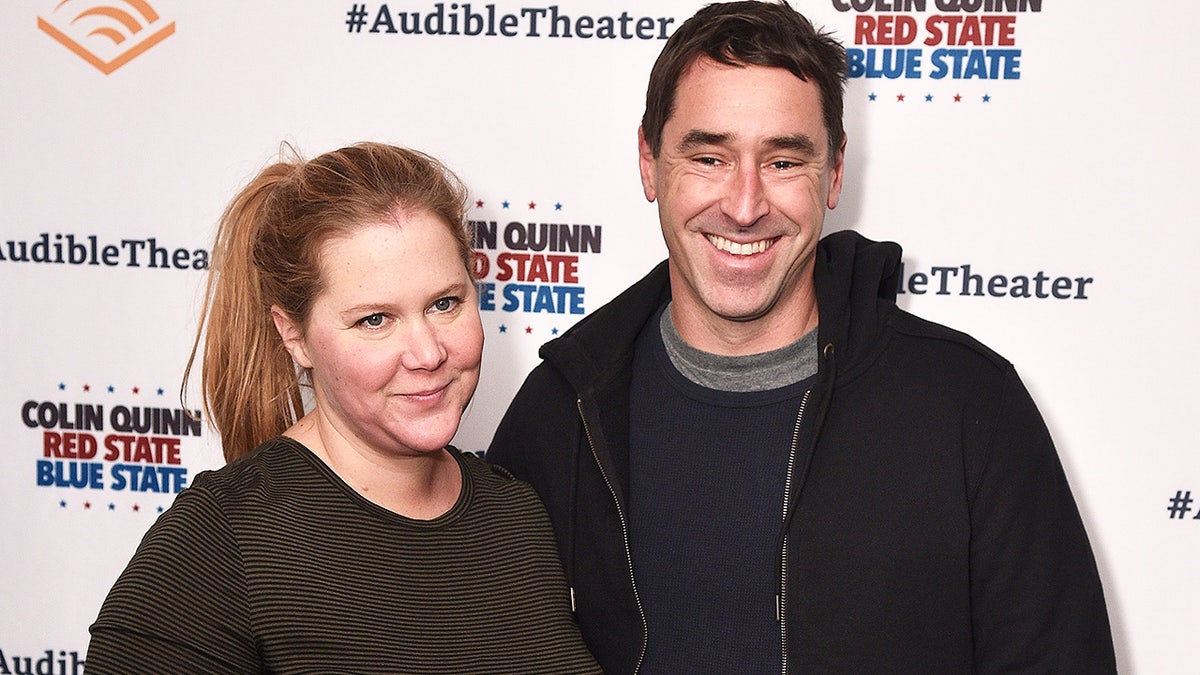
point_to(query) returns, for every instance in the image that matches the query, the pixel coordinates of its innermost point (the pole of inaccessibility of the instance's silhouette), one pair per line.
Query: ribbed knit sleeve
(181, 604)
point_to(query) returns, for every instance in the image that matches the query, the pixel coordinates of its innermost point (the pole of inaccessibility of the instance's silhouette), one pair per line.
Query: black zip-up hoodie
(930, 529)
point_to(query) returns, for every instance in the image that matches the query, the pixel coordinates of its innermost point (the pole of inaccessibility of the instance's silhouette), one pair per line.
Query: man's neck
(752, 372)
(713, 334)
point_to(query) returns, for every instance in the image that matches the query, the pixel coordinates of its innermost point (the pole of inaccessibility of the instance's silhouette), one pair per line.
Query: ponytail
(251, 390)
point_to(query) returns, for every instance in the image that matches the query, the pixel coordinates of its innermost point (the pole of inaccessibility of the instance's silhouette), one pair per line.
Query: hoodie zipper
(781, 598)
(624, 534)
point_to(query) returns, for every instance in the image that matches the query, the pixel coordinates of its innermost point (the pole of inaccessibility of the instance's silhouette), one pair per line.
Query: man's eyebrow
(696, 138)
(799, 142)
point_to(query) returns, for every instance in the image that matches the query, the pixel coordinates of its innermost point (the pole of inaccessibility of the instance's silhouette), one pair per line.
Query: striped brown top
(274, 564)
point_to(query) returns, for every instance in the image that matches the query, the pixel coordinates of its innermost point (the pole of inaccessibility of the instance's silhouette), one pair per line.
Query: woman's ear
(293, 337)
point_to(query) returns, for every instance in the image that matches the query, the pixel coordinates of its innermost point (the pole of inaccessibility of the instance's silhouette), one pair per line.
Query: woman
(351, 537)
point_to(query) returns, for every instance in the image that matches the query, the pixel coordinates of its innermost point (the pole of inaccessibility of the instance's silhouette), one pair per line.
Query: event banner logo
(106, 34)
(1181, 504)
(71, 249)
(527, 262)
(936, 40)
(48, 662)
(969, 281)
(104, 446)
(490, 20)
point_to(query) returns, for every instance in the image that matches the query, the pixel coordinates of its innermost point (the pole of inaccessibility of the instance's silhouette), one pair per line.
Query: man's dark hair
(748, 33)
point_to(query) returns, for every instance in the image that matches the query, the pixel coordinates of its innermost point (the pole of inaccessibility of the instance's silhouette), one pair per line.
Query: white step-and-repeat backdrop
(1034, 158)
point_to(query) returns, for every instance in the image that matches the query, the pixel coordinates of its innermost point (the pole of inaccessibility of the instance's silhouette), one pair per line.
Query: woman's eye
(446, 304)
(373, 321)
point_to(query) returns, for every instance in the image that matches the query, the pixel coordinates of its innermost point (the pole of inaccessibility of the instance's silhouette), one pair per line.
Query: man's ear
(293, 337)
(835, 179)
(647, 165)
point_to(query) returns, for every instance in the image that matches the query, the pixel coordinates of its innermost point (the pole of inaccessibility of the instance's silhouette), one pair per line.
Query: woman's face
(394, 341)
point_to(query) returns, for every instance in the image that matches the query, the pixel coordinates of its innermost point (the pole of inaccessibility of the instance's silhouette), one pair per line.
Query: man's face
(742, 180)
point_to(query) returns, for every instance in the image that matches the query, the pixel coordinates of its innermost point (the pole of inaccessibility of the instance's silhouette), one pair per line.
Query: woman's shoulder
(275, 468)
(496, 481)
(476, 465)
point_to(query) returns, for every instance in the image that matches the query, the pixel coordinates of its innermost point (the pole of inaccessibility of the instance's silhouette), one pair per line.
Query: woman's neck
(421, 485)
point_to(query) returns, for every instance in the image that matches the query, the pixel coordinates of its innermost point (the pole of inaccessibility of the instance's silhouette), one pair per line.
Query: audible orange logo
(114, 33)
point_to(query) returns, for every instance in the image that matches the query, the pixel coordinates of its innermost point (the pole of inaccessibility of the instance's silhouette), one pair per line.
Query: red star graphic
(528, 329)
(957, 98)
(479, 203)
(900, 97)
(135, 390)
(87, 387)
(532, 206)
(136, 508)
(87, 505)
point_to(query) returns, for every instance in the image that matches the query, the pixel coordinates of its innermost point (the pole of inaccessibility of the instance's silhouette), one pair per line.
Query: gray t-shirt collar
(755, 372)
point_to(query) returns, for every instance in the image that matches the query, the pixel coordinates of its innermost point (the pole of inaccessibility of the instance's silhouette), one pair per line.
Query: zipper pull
(778, 613)
(573, 601)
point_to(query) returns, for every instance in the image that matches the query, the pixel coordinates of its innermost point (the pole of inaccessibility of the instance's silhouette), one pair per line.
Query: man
(753, 460)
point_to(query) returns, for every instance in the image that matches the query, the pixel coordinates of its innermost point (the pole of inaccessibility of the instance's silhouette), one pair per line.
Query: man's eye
(708, 161)
(373, 321)
(783, 165)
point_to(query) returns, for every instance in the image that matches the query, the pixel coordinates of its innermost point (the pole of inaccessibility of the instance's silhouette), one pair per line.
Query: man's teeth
(739, 249)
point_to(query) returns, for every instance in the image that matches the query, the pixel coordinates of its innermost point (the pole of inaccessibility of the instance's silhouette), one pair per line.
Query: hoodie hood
(856, 282)
(600, 346)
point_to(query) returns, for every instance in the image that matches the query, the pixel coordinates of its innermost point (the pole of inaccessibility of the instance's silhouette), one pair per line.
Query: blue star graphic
(160, 509)
(558, 206)
(112, 507)
(503, 328)
(62, 387)
(928, 98)
(160, 391)
(504, 204)
(63, 503)
(554, 331)
(111, 389)
(871, 96)
(987, 98)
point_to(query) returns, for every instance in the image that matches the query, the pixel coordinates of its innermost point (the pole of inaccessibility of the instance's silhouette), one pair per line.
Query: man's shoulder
(601, 344)
(942, 341)
(637, 301)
